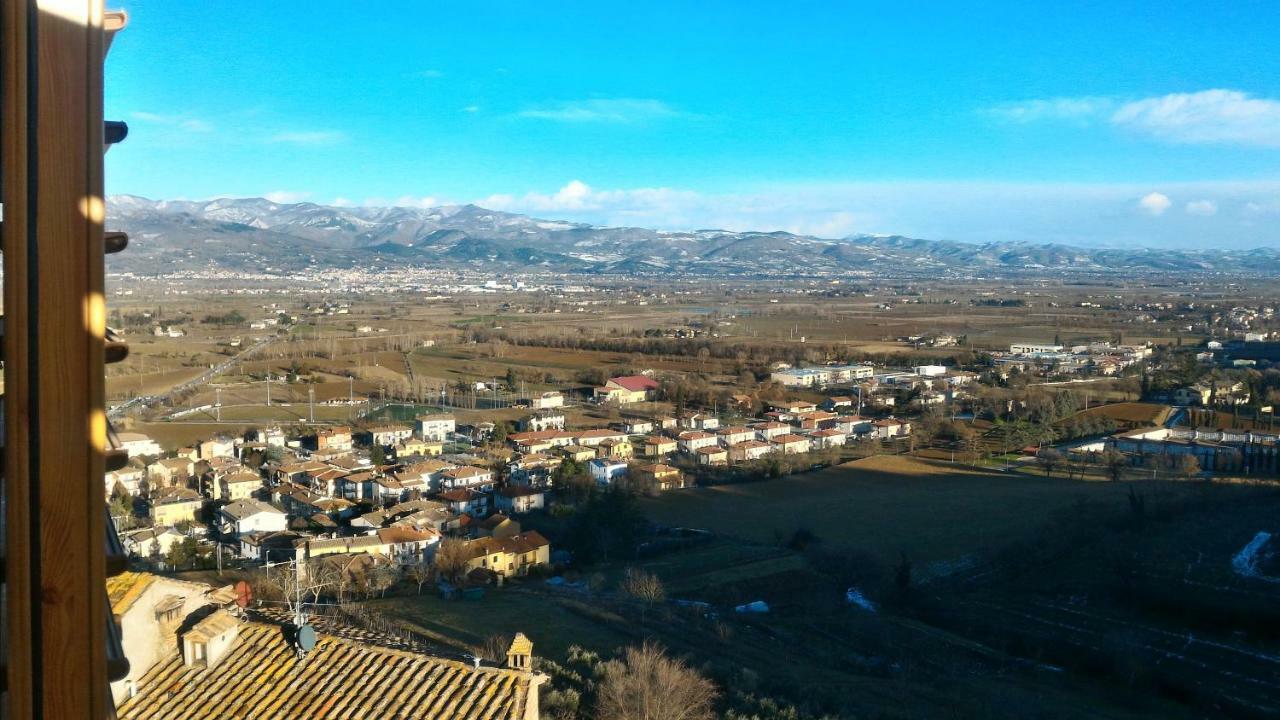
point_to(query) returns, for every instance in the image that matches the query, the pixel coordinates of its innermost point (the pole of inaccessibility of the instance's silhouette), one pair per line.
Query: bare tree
(643, 586)
(494, 649)
(420, 574)
(1049, 459)
(452, 558)
(1115, 463)
(646, 684)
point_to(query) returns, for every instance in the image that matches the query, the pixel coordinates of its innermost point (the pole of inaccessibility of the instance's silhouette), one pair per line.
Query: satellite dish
(244, 594)
(306, 638)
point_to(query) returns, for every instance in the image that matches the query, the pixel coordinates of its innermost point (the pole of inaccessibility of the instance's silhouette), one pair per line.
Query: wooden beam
(16, 233)
(53, 292)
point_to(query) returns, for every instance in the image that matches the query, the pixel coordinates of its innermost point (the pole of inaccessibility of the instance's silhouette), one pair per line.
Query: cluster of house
(1096, 358)
(640, 448)
(272, 498)
(305, 500)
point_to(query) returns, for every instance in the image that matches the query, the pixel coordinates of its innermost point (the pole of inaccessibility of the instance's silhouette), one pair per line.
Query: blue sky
(1100, 123)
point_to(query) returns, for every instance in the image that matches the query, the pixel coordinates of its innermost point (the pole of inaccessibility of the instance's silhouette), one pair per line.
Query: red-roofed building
(627, 389)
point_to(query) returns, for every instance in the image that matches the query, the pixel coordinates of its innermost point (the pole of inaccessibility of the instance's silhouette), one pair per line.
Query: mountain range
(255, 234)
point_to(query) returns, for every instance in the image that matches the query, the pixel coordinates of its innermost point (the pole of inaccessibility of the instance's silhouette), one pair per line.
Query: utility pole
(218, 404)
(311, 394)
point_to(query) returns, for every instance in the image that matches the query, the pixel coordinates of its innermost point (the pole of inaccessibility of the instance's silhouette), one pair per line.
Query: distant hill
(260, 235)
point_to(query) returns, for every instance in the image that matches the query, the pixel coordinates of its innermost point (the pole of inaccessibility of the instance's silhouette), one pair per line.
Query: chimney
(520, 654)
(208, 641)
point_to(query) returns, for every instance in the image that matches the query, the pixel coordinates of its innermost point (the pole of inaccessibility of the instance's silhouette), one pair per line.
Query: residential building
(544, 420)
(243, 516)
(239, 485)
(169, 472)
(749, 450)
(659, 476)
(734, 435)
(693, 440)
(151, 543)
(465, 502)
(591, 438)
(138, 445)
(767, 431)
(713, 455)
(468, 476)
(606, 470)
(790, 444)
(386, 435)
(175, 505)
(547, 400)
(891, 428)
(435, 427)
(822, 376)
(626, 390)
(821, 439)
(217, 447)
(659, 445)
(509, 556)
(519, 499)
(615, 448)
(336, 439)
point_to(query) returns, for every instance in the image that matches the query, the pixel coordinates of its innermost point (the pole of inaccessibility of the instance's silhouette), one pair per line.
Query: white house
(515, 499)
(749, 450)
(467, 476)
(435, 427)
(384, 435)
(605, 470)
(137, 444)
(547, 400)
(693, 440)
(244, 516)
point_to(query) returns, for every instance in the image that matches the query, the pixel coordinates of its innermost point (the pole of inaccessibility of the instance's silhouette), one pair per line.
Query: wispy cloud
(1202, 208)
(308, 137)
(1206, 117)
(605, 110)
(471, 109)
(430, 73)
(180, 121)
(1064, 108)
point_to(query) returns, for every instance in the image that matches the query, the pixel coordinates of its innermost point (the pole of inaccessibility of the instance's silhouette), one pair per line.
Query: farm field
(887, 506)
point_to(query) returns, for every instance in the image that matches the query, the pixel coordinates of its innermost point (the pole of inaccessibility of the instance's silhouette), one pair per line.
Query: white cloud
(431, 73)
(308, 137)
(180, 121)
(471, 109)
(1064, 108)
(418, 202)
(1209, 116)
(341, 202)
(604, 110)
(1203, 208)
(1155, 203)
(287, 196)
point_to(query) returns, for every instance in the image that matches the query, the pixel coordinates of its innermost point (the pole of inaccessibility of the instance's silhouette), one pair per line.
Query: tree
(643, 586)
(452, 558)
(182, 552)
(419, 573)
(1115, 463)
(648, 685)
(494, 648)
(1049, 458)
(377, 455)
(1188, 466)
(381, 577)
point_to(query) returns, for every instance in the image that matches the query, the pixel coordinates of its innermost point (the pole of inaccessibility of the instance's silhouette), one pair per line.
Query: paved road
(205, 377)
